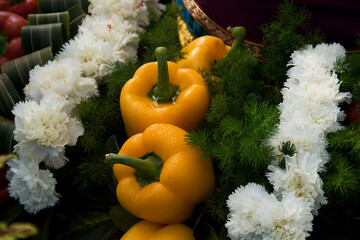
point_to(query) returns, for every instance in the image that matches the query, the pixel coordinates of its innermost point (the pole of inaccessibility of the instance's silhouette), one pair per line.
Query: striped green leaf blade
(18, 69)
(36, 37)
(7, 141)
(76, 14)
(45, 18)
(49, 6)
(8, 96)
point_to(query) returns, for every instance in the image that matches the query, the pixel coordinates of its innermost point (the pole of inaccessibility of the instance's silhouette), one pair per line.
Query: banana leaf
(8, 96)
(45, 18)
(76, 14)
(36, 37)
(18, 69)
(49, 6)
(7, 141)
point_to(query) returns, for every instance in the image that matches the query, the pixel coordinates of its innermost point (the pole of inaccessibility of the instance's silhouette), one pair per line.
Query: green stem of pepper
(147, 168)
(239, 34)
(163, 91)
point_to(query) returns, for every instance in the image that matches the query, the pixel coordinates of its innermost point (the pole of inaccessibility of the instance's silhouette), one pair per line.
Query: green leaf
(37, 37)
(46, 18)
(18, 69)
(43, 221)
(85, 218)
(3, 43)
(111, 145)
(10, 210)
(9, 96)
(99, 194)
(224, 234)
(49, 6)
(104, 230)
(7, 136)
(203, 231)
(121, 218)
(76, 14)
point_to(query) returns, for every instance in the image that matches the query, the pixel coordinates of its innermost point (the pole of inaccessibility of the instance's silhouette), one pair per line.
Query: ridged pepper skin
(145, 230)
(202, 52)
(189, 107)
(185, 180)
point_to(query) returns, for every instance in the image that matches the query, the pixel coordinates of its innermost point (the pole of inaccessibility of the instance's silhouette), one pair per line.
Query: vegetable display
(163, 92)
(145, 230)
(170, 178)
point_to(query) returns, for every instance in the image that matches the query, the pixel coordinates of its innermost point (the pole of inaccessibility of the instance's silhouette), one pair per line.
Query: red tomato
(14, 49)
(3, 60)
(25, 8)
(4, 5)
(13, 25)
(3, 17)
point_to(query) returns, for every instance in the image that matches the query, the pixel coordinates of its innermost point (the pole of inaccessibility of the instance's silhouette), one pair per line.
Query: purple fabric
(338, 20)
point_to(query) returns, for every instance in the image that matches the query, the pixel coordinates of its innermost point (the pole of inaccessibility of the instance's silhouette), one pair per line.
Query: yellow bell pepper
(203, 51)
(163, 92)
(145, 230)
(160, 178)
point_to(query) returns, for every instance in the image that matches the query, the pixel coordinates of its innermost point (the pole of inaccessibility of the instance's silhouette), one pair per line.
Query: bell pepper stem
(163, 91)
(239, 34)
(147, 168)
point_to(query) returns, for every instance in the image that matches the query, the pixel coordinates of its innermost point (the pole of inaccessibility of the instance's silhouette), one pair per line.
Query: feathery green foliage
(349, 72)
(236, 128)
(281, 38)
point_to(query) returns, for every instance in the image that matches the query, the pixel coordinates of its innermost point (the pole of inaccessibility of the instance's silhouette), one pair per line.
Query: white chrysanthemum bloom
(62, 77)
(292, 220)
(121, 34)
(95, 55)
(35, 188)
(43, 129)
(126, 9)
(323, 55)
(300, 177)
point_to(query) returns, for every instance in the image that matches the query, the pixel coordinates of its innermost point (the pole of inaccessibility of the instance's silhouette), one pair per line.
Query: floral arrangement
(44, 124)
(287, 213)
(286, 164)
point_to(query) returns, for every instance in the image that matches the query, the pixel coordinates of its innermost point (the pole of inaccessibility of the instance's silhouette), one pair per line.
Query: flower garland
(44, 124)
(308, 112)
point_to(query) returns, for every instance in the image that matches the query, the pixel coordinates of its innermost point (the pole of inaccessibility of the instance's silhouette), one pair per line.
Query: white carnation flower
(292, 220)
(43, 129)
(121, 34)
(304, 136)
(250, 208)
(256, 214)
(96, 56)
(134, 10)
(323, 55)
(33, 187)
(62, 77)
(300, 177)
